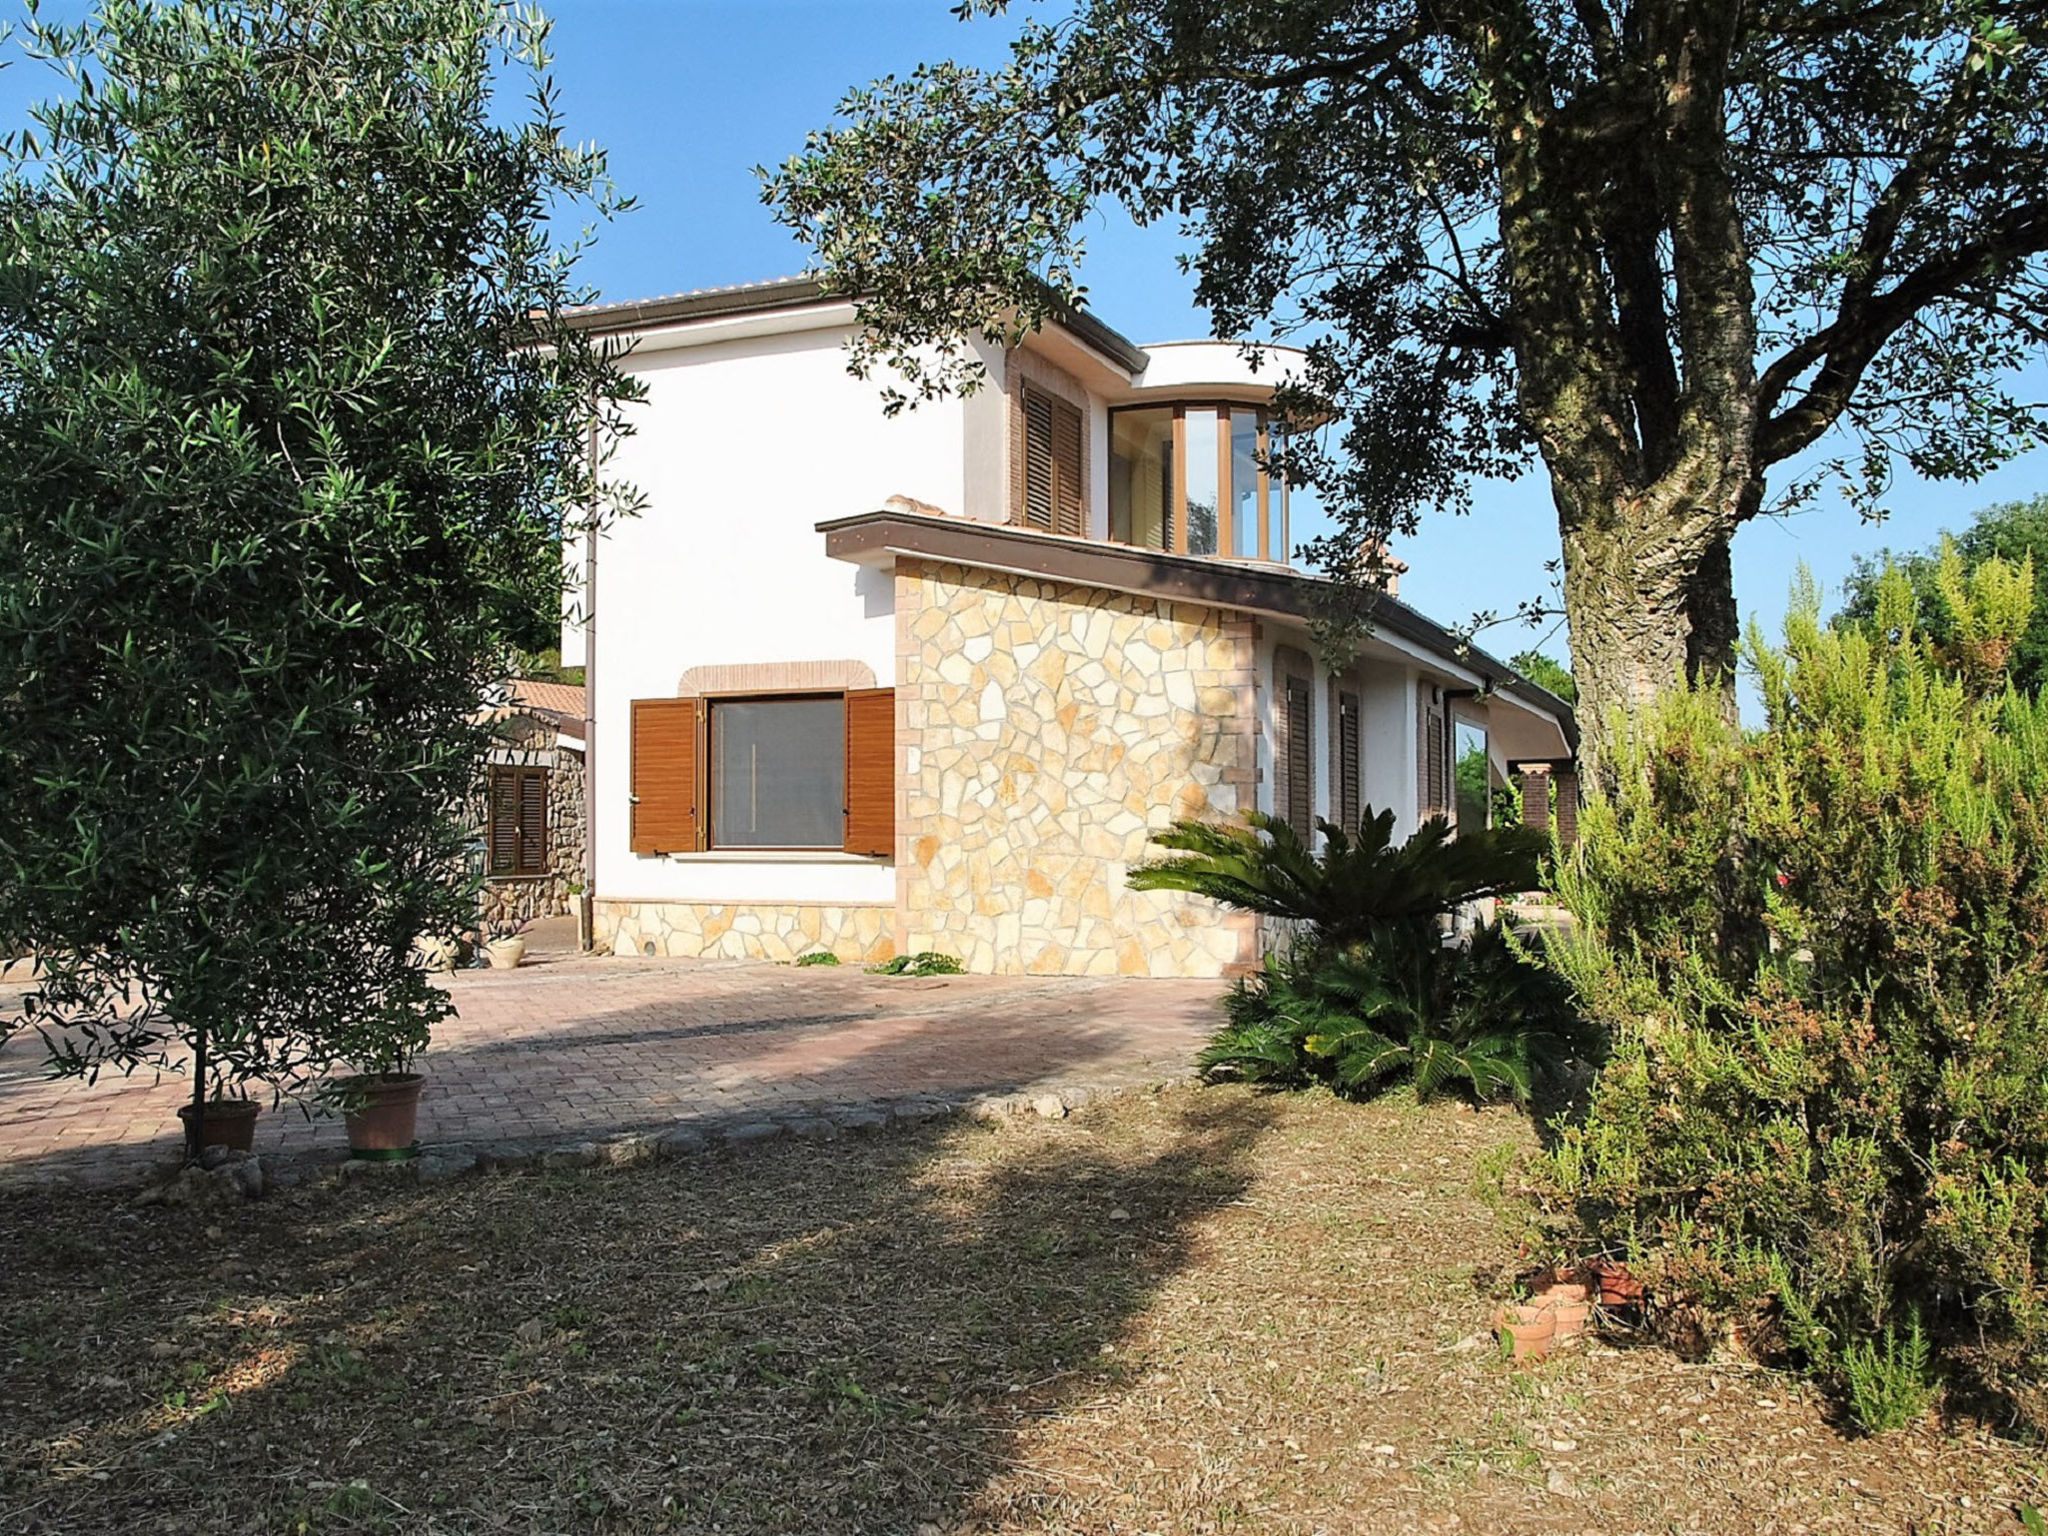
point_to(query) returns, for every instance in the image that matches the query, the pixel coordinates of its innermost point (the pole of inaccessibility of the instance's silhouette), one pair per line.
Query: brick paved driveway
(574, 1047)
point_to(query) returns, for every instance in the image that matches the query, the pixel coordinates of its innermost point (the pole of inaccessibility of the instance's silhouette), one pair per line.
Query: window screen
(778, 773)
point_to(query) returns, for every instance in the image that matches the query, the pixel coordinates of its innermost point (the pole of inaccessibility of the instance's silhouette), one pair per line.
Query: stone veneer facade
(1044, 731)
(738, 931)
(516, 900)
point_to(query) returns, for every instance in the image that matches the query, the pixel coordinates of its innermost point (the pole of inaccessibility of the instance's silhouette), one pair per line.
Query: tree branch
(1846, 347)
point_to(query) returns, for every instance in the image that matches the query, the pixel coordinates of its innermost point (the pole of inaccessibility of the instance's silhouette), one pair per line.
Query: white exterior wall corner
(742, 446)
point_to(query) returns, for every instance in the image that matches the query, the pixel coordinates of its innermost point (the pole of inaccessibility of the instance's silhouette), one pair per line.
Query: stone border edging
(246, 1177)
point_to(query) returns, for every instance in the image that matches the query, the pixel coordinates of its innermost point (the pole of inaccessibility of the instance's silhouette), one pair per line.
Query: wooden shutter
(1053, 499)
(1037, 508)
(1296, 731)
(1067, 510)
(665, 818)
(503, 821)
(1347, 762)
(533, 821)
(871, 772)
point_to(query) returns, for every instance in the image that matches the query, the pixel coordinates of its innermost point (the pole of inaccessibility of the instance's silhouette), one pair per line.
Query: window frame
(517, 772)
(1453, 723)
(707, 773)
(1272, 489)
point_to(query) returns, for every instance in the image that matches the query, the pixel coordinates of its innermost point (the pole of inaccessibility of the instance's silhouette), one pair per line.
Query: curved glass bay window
(1187, 479)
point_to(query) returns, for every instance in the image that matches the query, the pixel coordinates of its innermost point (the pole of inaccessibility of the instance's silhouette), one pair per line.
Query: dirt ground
(1193, 1311)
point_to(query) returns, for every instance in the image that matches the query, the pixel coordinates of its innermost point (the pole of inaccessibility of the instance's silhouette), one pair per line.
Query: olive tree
(292, 429)
(1665, 247)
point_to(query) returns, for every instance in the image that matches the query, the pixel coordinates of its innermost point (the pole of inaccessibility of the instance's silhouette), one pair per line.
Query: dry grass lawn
(1204, 1310)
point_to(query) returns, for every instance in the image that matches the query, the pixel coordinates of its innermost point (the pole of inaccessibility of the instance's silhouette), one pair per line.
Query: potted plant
(380, 1104)
(223, 1121)
(504, 945)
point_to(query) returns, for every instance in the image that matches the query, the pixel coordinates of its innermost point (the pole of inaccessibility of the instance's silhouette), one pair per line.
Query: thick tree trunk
(1650, 599)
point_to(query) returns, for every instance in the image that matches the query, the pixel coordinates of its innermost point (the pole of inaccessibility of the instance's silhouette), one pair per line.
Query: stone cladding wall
(738, 931)
(1044, 732)
(507, 901)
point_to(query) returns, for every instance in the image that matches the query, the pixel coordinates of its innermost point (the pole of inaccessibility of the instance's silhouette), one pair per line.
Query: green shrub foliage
(1821, 951)
(1370, 993)
(294, 430)
(1356, 883)
(1400, 1004)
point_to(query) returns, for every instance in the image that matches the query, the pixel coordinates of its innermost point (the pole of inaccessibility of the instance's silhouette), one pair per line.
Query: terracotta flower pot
(505, 954)
(1531, 1332)
(229, 1123)
(381, 1112)
(1570, 1317)
(1618, 1288)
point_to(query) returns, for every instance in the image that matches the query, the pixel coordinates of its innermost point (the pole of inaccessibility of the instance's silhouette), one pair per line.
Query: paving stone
(574, 1051)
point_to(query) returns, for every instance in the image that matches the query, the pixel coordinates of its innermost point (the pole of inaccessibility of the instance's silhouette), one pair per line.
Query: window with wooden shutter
(1296, 733)
(871, 772)
(1347, 762)
(664, 775)
(517, 835)
(1053, 499)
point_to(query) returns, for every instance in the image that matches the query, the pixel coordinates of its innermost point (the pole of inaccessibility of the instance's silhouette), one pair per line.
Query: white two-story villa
(881, 685)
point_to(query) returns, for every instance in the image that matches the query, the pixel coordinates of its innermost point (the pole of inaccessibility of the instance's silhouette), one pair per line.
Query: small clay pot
(229, 1123)
(1571, 1318)
(1618, 1288)
(381, 1111)
(505, 954)
(1530, 1338)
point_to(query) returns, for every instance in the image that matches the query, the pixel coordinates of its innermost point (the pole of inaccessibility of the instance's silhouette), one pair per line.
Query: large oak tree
(1665, 246)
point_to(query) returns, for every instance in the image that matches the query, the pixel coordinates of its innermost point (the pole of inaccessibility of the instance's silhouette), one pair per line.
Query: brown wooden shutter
(871, 772)
(1347, 762)
(503, 830)
(1038, 474)
(1067, 509)
(1295, 768)
(1053, 473)
(533, 821)
(665, 818)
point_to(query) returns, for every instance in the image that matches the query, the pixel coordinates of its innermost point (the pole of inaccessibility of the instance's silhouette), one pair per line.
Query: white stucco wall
(742, 447)
(1386, 721)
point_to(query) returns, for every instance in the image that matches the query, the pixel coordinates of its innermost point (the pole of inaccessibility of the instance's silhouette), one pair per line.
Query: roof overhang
(1275, 591)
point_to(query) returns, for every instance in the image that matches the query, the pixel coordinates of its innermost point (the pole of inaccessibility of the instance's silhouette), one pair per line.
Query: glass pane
(1244, 484)
(778, 773)
(1200, 427)
(1475, 789)
(1141, 478)
(1282, 494)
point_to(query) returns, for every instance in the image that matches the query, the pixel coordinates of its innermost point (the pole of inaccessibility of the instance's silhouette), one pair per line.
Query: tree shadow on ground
(835, 1338)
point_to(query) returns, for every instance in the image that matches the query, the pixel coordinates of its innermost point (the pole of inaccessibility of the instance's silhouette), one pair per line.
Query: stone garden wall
(508, 901)
(1043, 732)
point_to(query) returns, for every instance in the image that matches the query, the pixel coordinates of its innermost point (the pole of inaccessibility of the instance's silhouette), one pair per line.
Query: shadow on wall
(849, 1338)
